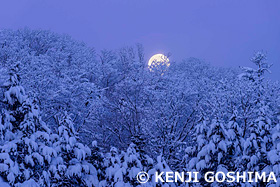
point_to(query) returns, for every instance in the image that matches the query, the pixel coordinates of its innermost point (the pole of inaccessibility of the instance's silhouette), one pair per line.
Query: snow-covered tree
(26, 149)
(160, 167)
(113, 171)
(71, 167)
(97, 160)
(258, 140)
(122, 169)
(59, 71)
(199, 140)
(210, 152)
(235, 134)
(133, 163)
(198, 117)
(273, 155)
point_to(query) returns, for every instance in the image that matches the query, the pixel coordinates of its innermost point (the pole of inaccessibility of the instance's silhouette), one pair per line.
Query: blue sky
(222, 32)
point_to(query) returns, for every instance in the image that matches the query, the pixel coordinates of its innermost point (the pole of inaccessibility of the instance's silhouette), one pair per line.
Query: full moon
(158, 60)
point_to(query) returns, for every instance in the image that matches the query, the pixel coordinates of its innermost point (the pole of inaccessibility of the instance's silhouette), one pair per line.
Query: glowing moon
(158, 60)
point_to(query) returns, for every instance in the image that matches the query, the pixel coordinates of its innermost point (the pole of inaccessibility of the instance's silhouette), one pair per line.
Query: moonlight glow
(158, 60)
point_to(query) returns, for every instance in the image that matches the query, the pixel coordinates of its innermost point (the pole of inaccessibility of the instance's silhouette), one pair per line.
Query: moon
(158, 60)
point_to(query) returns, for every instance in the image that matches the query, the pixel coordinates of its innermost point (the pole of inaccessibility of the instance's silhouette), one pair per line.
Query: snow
(29, 183)
(273, 156)
(3, 167)
(201, 165)
(193, 117)
(3, 184)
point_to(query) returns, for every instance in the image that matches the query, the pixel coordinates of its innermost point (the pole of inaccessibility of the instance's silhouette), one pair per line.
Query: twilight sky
(222, 32)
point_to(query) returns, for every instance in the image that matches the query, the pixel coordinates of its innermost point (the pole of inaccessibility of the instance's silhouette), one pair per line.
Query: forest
(73, 116)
